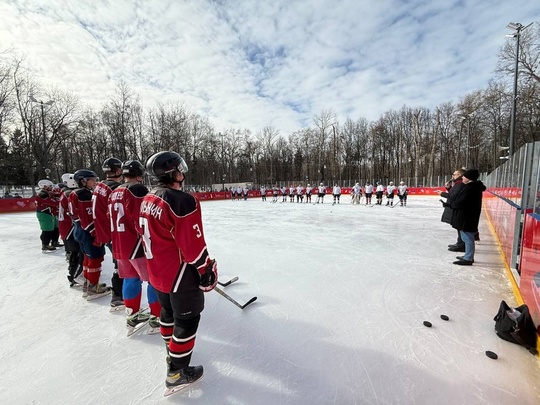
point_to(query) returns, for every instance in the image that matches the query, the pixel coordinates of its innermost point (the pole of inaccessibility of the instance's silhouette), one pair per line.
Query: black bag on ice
(516, 325)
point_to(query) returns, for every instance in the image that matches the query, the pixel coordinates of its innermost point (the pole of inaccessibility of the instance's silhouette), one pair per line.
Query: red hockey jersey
(46, 203)
(80, 207)
(65, 224)
(124, 207)
(172, 233)
(100, 210)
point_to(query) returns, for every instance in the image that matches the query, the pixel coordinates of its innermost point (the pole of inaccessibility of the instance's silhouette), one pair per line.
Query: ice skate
(117, 304)
(46, 248)
(97, 290)
(136, 322)
(77, 281)
(180, 379)
(154, 325)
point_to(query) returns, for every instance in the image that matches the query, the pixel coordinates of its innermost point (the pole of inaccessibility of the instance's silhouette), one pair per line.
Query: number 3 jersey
(172, 232)
(124, 207)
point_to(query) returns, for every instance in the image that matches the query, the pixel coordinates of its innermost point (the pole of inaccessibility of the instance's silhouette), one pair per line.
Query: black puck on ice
(427, 323)
(444, 317)
(492, 355)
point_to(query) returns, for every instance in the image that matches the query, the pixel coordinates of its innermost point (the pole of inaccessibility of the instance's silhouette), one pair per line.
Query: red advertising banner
(530, 265)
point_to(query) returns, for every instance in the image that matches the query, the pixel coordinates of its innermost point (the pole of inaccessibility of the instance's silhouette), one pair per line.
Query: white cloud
(249, 64)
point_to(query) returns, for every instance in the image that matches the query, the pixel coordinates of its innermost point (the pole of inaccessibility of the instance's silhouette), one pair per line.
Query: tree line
(39, 139)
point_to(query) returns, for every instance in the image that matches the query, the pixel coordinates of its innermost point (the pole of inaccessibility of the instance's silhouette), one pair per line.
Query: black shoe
(477, 237)
(463, 262)
(453, 245)
(457, 249)
(461, 258)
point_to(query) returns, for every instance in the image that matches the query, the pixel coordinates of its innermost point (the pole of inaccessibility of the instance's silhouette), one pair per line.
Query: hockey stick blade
(232, 280)
(224, 294)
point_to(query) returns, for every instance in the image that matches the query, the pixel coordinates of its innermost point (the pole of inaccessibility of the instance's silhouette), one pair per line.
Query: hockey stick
(224, 294)
(232, 280)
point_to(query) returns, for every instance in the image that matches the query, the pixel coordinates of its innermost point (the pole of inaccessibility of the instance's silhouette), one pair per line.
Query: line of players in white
(357, 192)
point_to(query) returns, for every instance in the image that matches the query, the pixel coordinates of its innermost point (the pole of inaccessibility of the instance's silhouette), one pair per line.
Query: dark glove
(209, 277)
(444, 204)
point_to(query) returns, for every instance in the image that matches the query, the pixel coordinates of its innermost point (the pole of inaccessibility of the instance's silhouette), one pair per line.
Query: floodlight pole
(517, 27)
(44, 135)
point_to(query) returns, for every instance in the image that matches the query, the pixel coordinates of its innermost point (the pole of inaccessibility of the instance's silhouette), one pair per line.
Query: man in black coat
(466, 209)
(453, 188)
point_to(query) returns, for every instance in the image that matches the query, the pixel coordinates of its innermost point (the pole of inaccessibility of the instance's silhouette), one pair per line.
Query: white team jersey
(283, 190)
(336, 190)
(322, 190)
(292, 190)
(380, 188)
(402, 189)
(308, 190)
(390, 189)
(299, 190)
(369, 188)
(263, 190)
(356, 190)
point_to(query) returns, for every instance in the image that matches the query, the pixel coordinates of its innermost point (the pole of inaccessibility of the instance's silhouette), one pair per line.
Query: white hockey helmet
(401, 183)
(391, 183)
(45, 184)
(322, 184)
(67, 179)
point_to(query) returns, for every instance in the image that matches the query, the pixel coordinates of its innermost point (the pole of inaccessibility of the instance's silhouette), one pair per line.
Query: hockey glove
(210, 277)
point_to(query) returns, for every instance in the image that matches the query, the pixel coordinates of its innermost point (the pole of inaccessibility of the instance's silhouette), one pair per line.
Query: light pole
(517, 27)
(467, 117)
(223, 158)
(45, 155)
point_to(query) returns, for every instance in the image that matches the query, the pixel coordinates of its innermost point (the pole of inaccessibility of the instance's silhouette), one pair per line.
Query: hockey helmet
(84, 174)
(162, 163)
(391, 183)
(111, 164)
(322, 184)
(68, 180)
(133, 168)
(45, 184)
(401, 183)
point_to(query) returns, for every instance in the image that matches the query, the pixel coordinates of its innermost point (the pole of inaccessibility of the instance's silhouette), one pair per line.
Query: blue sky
(249, 64)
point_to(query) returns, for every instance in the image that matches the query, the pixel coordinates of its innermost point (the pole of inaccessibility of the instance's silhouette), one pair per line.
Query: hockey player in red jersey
(179, 265)
(124, 207)
(80, 206)
(65, 225)
(112, 167)
(46, 211)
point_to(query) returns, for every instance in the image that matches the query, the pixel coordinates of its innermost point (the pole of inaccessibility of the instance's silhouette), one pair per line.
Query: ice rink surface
(342, 293)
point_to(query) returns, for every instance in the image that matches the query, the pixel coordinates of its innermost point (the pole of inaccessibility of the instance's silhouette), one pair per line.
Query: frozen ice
(342, 295)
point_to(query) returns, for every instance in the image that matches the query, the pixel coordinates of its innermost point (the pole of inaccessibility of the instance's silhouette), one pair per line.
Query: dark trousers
(180, 316)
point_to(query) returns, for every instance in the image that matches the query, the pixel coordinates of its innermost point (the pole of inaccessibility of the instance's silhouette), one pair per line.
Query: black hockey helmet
(111, 164)
(84, 174)
(162, 163)
(133, 168)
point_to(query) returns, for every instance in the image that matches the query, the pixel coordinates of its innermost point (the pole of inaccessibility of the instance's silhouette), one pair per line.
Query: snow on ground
(342, 293)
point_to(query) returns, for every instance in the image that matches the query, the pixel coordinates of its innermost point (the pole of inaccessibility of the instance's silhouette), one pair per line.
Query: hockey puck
(428, 324)
(444, 317)
(492, 355)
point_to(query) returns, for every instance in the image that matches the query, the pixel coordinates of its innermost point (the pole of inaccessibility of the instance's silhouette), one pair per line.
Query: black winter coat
(466, 207)
(451, 196)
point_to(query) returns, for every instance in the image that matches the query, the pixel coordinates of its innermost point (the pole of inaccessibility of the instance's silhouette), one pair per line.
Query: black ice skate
(180, 379)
